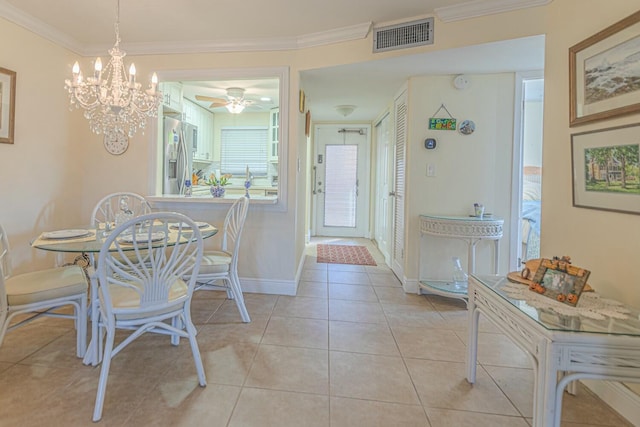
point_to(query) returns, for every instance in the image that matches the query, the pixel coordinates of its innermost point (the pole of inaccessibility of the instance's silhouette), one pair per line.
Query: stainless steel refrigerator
(179, 139)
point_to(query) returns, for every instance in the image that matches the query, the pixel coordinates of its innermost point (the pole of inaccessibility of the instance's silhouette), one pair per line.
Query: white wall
(469, 168)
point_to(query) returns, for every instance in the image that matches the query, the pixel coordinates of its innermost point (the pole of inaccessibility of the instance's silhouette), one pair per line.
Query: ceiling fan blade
(218, 104)
(210, 98)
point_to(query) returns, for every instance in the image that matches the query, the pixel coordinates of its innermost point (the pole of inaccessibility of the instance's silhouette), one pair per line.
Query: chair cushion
(124, 299)
(215, 262)
(43, 285)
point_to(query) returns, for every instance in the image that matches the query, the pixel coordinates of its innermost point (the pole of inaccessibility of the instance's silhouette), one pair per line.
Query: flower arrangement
(217, 185)
(213, 181)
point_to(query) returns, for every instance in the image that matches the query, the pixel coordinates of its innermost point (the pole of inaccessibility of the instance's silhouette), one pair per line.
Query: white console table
(468, 228)
(563, 348)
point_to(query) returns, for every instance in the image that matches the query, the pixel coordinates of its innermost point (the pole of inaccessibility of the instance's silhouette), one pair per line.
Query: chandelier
(113, 101)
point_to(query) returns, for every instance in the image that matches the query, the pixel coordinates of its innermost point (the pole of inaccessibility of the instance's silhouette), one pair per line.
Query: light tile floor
(351, 349)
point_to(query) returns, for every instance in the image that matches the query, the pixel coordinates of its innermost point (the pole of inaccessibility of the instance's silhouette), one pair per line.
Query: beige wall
(469, 168)
(42, 175)
(605, 243)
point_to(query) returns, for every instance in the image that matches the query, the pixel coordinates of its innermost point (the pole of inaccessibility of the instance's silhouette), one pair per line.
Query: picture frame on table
(7, 105)
(606, 169)
(602, 83)
(557, 279)
(307, 123)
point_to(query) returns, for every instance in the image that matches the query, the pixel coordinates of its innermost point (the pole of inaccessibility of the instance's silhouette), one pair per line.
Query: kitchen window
(242, 148)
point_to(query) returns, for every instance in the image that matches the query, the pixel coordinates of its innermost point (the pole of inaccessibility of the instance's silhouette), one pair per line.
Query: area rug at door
(345, 254)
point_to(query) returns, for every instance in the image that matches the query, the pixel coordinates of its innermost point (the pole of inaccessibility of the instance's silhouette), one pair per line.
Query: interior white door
(341, 183)
(400, 142)
(384, 168)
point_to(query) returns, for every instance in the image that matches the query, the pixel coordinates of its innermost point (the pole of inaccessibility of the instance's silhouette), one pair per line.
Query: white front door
(341, 183)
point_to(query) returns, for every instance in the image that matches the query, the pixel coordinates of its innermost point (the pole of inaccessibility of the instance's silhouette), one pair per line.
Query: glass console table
(562, 347)
(468, 228)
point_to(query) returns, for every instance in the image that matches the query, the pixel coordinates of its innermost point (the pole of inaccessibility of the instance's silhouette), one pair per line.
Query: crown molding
(339, 35)
(18, 17)
(354, 32)
(476, 8)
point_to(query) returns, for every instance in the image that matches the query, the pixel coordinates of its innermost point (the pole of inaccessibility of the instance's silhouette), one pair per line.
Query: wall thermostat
(429, 143)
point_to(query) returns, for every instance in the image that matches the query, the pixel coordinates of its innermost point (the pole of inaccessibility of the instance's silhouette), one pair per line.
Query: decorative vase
(217, 191)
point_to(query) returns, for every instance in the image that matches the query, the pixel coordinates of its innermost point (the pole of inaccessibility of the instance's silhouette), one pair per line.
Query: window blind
(242, 147)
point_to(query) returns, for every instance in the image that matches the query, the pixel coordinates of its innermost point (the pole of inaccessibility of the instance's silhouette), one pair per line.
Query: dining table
(87, 241)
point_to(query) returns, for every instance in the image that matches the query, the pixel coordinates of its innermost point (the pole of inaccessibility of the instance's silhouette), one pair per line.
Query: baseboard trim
(410, 286)
(624, 401)
(274, 287)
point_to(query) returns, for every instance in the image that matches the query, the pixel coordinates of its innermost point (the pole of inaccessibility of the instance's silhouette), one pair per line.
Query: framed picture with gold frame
(558, 279)
(301, 104)
(7, 105)
(600, 83)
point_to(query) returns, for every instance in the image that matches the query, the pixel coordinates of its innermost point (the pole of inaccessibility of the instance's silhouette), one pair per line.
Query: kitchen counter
(232, 190)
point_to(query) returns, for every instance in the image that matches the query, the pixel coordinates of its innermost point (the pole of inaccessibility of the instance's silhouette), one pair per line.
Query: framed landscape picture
(606, 169)
(7, 104)
(604, 73)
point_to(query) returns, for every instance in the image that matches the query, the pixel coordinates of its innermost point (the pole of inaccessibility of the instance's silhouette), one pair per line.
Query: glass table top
(92, 242)
(551, 320)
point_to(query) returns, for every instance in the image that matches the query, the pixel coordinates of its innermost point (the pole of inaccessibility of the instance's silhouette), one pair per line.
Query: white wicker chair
(112, 204)
(141, 286)
(40, 293)
(222, 265)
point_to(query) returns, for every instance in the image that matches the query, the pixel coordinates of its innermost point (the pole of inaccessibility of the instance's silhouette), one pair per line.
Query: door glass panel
(341, 186)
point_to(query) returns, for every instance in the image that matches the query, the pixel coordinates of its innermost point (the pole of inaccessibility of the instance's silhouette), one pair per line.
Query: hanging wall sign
(444, 123)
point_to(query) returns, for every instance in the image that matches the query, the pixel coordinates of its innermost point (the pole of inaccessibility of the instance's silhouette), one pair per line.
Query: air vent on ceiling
(402, 36)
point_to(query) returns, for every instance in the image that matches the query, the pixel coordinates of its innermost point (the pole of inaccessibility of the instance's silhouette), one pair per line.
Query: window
(242, 147)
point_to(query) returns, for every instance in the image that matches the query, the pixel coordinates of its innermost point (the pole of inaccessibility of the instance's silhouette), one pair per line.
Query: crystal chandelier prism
(113, 102)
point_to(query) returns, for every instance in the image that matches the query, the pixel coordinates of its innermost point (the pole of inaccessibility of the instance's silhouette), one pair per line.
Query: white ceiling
(166, 26)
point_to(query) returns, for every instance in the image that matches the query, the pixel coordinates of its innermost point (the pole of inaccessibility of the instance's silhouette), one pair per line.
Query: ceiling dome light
(345, 110)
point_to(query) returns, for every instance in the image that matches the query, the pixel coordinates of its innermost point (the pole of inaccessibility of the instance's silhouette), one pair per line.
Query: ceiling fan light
(235, 107)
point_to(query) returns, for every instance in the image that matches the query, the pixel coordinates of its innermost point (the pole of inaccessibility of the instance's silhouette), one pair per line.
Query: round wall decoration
(467, 127)
(116, 142)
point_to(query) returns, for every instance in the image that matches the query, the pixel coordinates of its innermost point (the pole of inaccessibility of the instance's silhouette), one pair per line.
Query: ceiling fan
(235, 101)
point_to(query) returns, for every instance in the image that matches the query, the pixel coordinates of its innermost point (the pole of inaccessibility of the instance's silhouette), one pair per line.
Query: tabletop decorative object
(555, 278)
(247, 183)
(216, 185)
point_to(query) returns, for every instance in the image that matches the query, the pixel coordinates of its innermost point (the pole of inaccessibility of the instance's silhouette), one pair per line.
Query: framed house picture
(603, 73)
(7, 105)
(606, 169)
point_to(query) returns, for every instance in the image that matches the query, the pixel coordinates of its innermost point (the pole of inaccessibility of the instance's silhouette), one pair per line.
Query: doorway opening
(529, 197)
